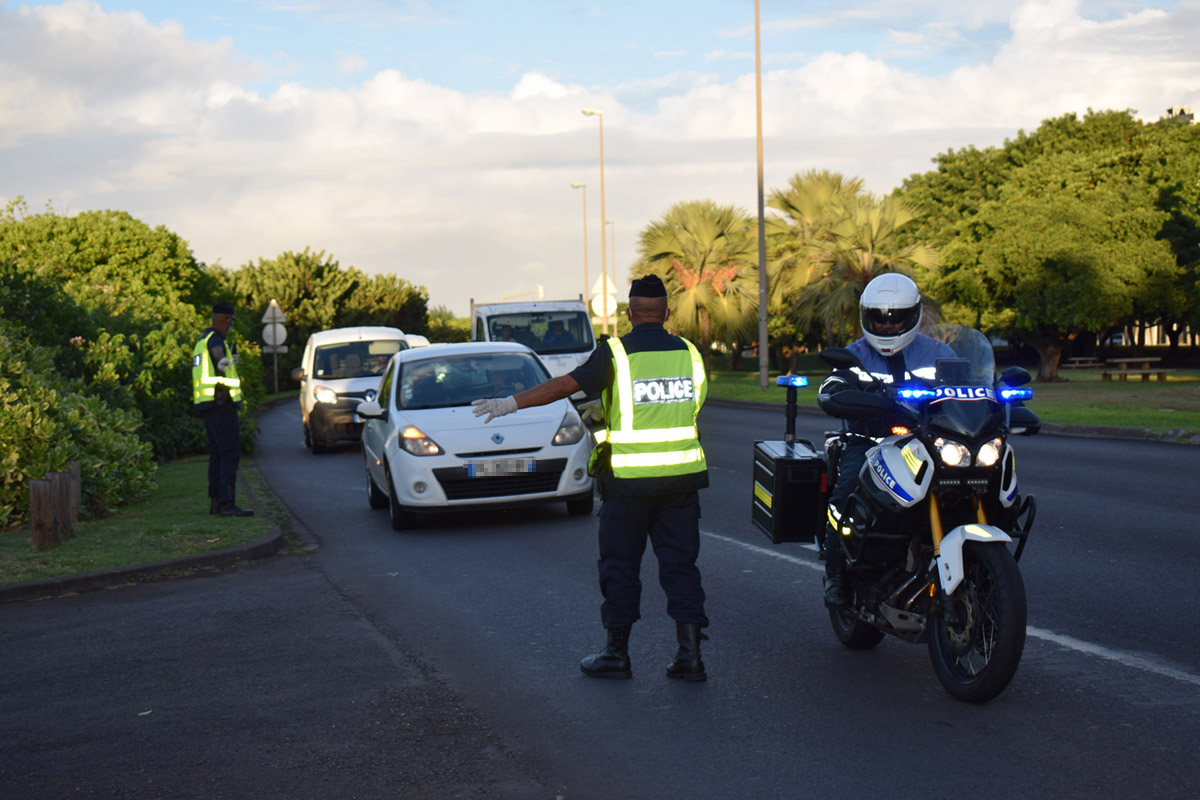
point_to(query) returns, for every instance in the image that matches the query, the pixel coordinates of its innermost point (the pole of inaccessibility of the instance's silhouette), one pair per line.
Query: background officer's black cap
(223, 307)
(649, 286)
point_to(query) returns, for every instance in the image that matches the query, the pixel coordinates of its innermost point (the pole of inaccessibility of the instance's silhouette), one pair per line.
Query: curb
(47, 588)
(1175, 436)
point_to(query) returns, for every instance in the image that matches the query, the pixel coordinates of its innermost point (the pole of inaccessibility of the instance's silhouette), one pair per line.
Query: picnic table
(1082, 362)
(1143, 365)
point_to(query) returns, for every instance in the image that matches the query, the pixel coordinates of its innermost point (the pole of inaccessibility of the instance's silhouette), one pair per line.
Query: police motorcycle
(928, 530)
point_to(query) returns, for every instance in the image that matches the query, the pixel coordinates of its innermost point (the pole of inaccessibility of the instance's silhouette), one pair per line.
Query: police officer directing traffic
(892, 351)
(216, 397)
(650, 467)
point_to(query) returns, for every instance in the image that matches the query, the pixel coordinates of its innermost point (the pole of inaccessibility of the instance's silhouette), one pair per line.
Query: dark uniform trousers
(672, 523)
(224, 451)
(849, 465)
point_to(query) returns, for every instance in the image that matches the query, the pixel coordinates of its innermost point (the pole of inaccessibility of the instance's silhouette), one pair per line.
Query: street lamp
(585, 269)
(592, 112)
(612, 248)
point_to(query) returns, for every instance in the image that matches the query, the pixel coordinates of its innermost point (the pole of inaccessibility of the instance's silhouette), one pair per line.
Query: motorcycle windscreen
(968, 418)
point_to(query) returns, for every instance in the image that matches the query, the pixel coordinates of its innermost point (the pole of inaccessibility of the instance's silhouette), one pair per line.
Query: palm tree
(863, 247)
(709, 254)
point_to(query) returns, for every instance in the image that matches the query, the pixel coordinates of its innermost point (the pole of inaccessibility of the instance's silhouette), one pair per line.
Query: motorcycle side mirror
(1015, 376)
(856, 404)
(1024, 422)
(840, 358)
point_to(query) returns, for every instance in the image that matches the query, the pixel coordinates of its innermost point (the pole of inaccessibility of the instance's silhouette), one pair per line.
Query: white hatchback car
(426, 450)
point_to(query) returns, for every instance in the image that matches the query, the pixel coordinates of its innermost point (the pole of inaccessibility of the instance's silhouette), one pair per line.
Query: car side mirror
(298, 374)
(371, 410)
(840, 358)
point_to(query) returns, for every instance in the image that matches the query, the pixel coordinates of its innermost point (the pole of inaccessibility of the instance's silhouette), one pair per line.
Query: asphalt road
(443, 662)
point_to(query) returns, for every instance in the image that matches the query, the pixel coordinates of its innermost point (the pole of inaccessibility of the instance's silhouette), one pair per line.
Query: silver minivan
(341, 368)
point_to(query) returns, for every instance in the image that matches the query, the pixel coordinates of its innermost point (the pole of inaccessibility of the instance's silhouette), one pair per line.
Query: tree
(443, 326)
(1068, 247)
(864, 246)
(706, 256)
(135, 290)
(1083, 225)
(316, 293)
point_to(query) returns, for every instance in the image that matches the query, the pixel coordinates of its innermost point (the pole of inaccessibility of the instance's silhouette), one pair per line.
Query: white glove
(495, 407)
(223, 365)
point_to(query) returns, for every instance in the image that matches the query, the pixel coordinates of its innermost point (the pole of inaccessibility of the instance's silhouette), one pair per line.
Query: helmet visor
(890, 321)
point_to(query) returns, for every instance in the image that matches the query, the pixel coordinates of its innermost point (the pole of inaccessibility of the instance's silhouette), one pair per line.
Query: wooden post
(43, 524)
(76, 491)
(62, 504)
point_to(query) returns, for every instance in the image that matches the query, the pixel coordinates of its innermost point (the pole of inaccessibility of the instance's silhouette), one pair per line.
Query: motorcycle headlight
(571, 429)
(324, 394)
(414, 440)
(989, 453)
(952, 454)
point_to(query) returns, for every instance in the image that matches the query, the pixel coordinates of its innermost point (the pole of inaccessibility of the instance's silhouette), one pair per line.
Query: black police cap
(223, 307)
(649, 286)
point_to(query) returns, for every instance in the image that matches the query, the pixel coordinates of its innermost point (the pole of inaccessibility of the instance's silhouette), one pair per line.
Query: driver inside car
(892, 352)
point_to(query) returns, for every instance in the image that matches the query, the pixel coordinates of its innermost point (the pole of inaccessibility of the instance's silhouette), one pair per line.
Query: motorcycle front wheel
(976, 642)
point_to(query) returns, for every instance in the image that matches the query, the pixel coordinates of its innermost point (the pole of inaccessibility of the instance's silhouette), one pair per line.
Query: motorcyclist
(891, 351)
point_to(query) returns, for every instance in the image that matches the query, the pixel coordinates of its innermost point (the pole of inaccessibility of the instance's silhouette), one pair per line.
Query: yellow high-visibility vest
(205, 377)
(650, 412)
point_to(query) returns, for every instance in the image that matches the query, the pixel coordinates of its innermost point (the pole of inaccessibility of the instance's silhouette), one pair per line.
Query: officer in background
(216, 397)
(650, 466)
(892, 351)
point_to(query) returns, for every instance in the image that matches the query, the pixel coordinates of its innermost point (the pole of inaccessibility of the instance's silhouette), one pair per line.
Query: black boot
(687, 663)
(233, 510)
(837, 593)
(613, 660)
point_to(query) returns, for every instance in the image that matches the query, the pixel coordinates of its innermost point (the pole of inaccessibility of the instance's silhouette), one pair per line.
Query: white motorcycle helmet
(890, 312)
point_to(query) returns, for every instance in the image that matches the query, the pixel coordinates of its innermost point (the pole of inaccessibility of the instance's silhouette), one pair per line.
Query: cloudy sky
(438, 139)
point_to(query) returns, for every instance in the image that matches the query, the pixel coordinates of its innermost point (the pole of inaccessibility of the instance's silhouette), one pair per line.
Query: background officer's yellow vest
(650, 413)
(205, 377)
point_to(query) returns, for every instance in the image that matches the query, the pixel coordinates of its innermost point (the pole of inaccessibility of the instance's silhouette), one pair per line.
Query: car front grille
(458, 486)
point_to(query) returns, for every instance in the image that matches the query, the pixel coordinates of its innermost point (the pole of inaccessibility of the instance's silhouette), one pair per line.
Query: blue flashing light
(917, 394)
(794, 381)
(1008, 395)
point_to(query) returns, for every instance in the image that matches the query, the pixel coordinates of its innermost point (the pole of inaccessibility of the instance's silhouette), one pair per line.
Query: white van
(341, 368)
(559, 331)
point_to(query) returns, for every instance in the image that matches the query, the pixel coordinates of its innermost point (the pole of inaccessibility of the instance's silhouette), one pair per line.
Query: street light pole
(763, 361)
(612, 248)
(585, 269)
(592, 112)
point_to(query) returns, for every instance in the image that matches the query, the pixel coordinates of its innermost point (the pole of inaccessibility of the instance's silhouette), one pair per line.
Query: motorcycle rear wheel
(852, 633)
(976, 655)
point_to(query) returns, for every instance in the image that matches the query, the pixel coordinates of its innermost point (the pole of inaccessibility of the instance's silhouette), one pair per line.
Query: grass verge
(1081, 399)
(172, 521)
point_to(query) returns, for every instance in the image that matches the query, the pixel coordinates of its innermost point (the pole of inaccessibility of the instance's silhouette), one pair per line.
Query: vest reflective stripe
(691, 456)
(657, 436)
(205, 379)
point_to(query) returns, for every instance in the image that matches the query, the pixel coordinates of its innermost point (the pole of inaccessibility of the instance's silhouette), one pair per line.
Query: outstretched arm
(540, 395)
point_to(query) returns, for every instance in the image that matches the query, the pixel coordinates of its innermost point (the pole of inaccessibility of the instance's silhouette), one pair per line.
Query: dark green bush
(48, 421)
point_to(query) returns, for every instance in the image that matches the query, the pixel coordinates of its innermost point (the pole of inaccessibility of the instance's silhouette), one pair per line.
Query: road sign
(274, 333)
(273, 314)
(598, 307)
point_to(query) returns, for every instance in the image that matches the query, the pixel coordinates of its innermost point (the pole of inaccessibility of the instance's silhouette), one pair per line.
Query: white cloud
(469, 193)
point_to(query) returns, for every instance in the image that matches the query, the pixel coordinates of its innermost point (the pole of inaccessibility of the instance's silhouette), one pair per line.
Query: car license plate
(500, 466)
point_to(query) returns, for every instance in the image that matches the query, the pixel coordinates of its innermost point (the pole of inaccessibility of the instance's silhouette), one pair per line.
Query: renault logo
(497, 438)
(369, 395)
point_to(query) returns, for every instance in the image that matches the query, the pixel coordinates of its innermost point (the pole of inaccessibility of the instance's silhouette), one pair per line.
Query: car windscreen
(362, 359)
(545, 332)
(444, 381)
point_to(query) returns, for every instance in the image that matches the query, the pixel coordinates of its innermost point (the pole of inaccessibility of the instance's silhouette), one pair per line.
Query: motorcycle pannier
(790, 487)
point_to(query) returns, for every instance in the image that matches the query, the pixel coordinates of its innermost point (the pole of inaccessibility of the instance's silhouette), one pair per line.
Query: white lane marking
(1071, 643)
(1127, 659)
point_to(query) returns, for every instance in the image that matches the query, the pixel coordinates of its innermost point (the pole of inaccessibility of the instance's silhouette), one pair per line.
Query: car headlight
(324, 394)
(952, 454)
(989, 452)
(571, 429)
(414, 440)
